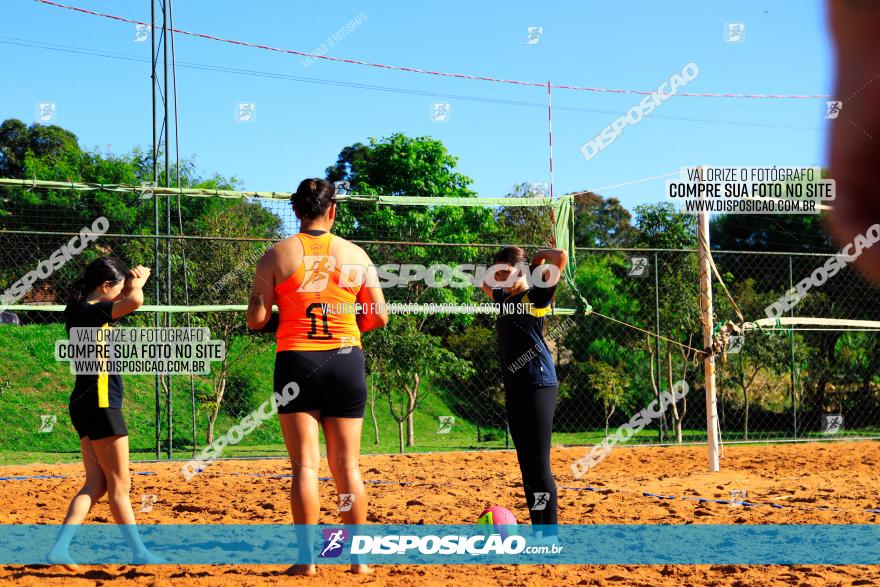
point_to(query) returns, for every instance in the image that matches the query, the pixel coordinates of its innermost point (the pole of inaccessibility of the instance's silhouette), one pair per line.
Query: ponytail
(98, 271)
(78, 292)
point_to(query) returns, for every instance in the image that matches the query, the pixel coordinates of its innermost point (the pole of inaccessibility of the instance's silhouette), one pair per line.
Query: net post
(706, 319)
(157, 266)
(165, 34)
(550, 137)
(661, 423)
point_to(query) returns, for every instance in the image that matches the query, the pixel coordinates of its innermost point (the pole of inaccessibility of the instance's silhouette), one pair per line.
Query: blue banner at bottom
(223, 544)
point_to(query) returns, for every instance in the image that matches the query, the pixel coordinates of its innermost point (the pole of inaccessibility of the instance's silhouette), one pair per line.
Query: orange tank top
(316, 308)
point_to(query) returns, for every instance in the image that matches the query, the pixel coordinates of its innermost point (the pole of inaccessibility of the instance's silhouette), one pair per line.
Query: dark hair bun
(313, 197)
(511, 255)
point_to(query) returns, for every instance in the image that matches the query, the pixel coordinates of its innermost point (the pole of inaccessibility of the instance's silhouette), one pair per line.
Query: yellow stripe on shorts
(103, 379)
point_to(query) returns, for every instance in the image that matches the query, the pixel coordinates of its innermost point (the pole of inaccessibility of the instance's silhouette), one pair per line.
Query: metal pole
(661, 424)
(706, 314)
(165, 33)
(550, 136)
(192, 384)
(156, 266)
(791, 344)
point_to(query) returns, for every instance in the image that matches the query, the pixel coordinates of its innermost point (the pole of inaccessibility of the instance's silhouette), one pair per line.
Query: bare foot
(361, 569)
(63, 558)
(302, 570)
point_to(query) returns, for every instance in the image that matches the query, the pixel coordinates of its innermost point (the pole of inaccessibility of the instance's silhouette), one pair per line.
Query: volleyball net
(625, 325)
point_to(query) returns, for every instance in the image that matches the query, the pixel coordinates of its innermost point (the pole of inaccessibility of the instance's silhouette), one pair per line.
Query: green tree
(609, 387)
(23, 148)
(600, 222)
(402, 359)
(801, 233)
(525, 225)
(600, 277)
(659, 226)
(222, 273)
(349, 160)
(14, 139)
(763, 357)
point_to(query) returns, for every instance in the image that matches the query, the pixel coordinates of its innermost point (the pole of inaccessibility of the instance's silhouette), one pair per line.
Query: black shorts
(331, 382)
(96, 423)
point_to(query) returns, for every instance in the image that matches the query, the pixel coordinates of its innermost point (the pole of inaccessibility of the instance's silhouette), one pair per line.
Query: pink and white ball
(498, 520)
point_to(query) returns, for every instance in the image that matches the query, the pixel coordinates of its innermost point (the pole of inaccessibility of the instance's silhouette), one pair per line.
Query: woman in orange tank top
(317, 279)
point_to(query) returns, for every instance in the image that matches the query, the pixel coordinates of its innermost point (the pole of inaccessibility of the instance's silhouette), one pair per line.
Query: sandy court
(452, 488)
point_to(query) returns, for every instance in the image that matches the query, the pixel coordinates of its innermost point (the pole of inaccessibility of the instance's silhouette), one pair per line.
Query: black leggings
(530, 418)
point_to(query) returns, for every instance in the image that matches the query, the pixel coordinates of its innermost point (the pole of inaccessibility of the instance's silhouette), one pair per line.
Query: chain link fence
(434, 380)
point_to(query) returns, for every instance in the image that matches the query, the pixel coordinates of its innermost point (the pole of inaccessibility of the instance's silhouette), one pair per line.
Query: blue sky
(300, 127)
